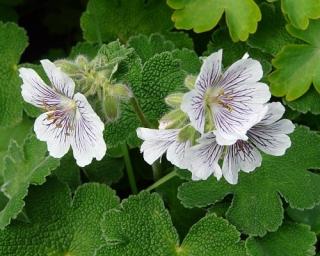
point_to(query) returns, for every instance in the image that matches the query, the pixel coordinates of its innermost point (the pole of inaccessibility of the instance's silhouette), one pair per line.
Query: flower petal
(240, 72)
(241, 108)
(204, 158)
(193, 104)
(60, 81)
(57, 137)
(240, 156)
(177, 154)
(87, 140)
(35, 91)
(210, 72)
(275, 112)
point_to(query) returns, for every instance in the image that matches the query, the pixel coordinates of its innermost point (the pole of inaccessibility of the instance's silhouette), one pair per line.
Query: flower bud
(111, 108)
(190, 81)
(174, 100)
(174, 119)
(187, 133)
(120, 91)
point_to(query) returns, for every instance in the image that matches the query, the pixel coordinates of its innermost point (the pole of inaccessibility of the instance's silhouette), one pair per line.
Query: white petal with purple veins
(87, 141)
(56, 135)
(60, 81)
(204, 158)
(193, 104)
(177, 154)
(35, 91)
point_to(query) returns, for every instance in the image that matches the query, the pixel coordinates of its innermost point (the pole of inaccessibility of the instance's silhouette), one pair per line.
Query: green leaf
(108, 20)
(159, 76)
(18, 133)
(297, 66)
(179, 38)
(109, 170)
(290, 240)
(299, 12)
(59, 224)
(146, 47)
(271, 35)
(235, 51)
(256, 206)
(309, 102)
(68, 171)
(310, 217)
(189, 60)
(84, 48)
(242, 16)
(23, 165)
(10, 95)
(142, 226)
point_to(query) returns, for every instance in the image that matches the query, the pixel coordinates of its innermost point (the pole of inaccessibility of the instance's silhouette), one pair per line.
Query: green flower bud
(187, 133)
(111, 108)
(174, 100)
(174, 119)
(190, 81)
(119, 91)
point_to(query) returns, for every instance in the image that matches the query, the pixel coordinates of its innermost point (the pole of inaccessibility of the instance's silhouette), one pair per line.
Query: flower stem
(137, 109)
(131, 178)
(156, 169)
(164, 179)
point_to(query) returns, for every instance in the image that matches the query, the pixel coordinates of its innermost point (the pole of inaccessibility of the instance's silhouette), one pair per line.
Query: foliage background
(52, 207)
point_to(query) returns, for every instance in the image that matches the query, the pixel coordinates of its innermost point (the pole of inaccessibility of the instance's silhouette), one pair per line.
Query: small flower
(69, 119)
(176, 142)
(269, 135)
(226, 103)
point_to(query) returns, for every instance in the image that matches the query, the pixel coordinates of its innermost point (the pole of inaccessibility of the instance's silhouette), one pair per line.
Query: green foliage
(142, 226)
(290, 240)
(202, 15)
(107, 20)
(59, 224)
(150, 83)
(23, 165)
(310, 217)
(256, 206)
(10, 97)
(297, 66)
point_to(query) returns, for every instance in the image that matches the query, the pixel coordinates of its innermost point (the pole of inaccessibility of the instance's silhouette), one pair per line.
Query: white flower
(69, 119)
(157, 142)
(232, 101)
(269, 135)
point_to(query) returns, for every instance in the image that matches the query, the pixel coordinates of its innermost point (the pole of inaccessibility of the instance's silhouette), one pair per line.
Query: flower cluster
(224, 120)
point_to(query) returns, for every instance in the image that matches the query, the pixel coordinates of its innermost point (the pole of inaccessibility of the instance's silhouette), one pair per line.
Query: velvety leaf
(13, 41)
(142, 226)
(59, 224)
(298, 65)
(290, 240)
(84, 48)
(256, 206)
(23, 165)
(202, 15)
(107, 20)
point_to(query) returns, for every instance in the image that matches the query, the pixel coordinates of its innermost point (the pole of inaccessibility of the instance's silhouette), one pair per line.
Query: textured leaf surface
(271, 35)
(256, 207)
(158, 77)
(23, 165)
(13, 41)
(289, 240)
(309, 102)
(242, 16)
(297, 66)
(142, 226)
(107, 20)
(59, 224)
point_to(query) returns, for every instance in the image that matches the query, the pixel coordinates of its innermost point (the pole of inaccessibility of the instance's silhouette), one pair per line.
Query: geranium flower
(268, 135)
(231, 102)
(157, 142)
(69, 119)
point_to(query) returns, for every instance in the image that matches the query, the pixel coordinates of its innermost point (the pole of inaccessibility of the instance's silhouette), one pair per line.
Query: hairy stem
(163, 180)
(127, 160)
(137, 109)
